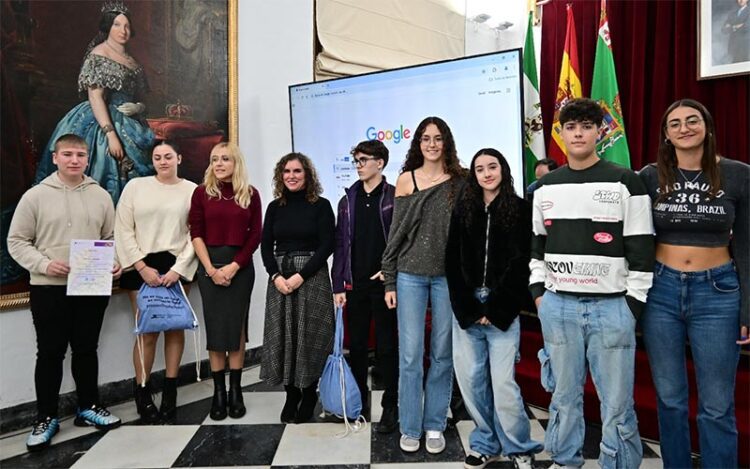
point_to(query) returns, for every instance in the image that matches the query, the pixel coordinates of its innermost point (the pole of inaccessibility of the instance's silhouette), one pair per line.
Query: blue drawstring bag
(163, 309)
(339, 393)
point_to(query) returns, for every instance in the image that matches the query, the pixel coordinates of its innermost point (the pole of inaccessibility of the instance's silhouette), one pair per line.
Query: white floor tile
(262, 407)
(465, 427)
(655, 447)
(316, 443)
(138, 447)
(537, 431)
(376, 412)
(420, 465)
(539, 413)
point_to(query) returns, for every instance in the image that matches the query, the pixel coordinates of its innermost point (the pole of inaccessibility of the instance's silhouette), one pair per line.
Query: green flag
(612, 144)
(533, 146)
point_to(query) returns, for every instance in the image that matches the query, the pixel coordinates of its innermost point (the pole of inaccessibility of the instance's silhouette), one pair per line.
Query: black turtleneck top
(298, 225)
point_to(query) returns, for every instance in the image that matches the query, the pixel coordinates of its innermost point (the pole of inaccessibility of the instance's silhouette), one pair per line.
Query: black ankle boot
(144, 404)
(168, 408)
(307, 406)
(289, 412)
(236, 403)
(219, 402)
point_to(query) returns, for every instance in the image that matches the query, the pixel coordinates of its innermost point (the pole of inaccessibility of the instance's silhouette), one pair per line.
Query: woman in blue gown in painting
(110, 120)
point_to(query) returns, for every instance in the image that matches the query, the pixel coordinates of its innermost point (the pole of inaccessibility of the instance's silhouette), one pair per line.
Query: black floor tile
(231, 445)
(330, 466)
(385, 449)
(63, 454)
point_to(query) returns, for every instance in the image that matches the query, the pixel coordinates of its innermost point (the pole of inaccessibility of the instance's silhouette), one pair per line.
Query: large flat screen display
(480, 97)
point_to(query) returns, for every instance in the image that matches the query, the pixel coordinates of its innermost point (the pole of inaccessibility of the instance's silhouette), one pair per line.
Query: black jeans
(60, 320)
(363, 305)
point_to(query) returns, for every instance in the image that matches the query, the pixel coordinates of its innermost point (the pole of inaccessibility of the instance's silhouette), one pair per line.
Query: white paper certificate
(91, 263)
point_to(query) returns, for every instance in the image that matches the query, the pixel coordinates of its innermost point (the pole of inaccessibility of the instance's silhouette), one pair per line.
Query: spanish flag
(568, 88)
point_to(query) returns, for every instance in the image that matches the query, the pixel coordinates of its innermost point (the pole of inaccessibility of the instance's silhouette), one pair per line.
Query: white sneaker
(409, 444)
(522, 461)
(558, 466)
(434, 442)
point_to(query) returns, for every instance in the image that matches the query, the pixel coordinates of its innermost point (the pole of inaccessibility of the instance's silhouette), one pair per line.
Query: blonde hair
(243, 191)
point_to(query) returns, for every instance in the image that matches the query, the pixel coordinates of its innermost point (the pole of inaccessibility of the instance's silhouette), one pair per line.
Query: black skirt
(225, 309)
(161, 261)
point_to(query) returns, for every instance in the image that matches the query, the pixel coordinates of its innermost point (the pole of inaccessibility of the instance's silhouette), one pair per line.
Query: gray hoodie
(51, 214)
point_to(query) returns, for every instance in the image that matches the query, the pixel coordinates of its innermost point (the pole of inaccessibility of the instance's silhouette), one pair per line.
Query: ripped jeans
(600, 331)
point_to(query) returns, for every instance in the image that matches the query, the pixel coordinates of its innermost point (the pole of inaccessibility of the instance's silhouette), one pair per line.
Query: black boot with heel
(145, 404)
(219, 402)
(168, 407)
(236, 403)
(307, 406)
(289, 412)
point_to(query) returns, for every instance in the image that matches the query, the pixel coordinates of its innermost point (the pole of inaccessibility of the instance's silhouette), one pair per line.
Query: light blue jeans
(600, 331)
(423, 404)
(484, 359)
(703, 307)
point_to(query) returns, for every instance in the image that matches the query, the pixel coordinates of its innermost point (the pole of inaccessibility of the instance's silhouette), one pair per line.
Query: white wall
(275, 49)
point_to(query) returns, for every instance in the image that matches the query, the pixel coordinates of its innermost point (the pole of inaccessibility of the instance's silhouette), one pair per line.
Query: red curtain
(655, 50)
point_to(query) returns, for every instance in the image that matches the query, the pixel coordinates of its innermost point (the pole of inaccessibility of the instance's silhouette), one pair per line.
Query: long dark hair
(312, 188)
(505, 206)
(451, 163)
(415, 158)
(666, 158)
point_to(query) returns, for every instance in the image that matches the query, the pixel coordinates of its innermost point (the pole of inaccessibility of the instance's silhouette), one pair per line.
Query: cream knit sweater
(152, 217)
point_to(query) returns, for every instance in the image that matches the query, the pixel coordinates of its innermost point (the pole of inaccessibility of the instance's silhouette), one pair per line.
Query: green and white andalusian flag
(533, 145)
(612, 144)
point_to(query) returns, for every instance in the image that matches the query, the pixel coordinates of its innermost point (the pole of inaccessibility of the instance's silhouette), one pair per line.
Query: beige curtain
(360, 36)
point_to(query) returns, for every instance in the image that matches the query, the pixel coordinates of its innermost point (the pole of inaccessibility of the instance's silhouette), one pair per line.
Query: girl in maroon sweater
(225, 225)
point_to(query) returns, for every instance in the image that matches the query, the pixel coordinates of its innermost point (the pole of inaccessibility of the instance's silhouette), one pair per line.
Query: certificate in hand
(91, 263)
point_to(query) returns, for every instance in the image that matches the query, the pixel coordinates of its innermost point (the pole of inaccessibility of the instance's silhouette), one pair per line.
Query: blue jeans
(600, 331)
(704, 308)
(423, 408)
(485, 359)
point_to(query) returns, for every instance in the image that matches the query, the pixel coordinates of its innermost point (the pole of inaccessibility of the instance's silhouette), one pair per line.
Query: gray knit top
(419, 233)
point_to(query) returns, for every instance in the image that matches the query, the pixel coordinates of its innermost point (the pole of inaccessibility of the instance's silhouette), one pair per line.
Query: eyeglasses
(359, 162)
(691, 123)
(437, 139)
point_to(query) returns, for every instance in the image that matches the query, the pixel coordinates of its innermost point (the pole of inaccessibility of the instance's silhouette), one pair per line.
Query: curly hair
(312, 188)
(505, 213)
(666, 157)
(415, 158)
(243, 191)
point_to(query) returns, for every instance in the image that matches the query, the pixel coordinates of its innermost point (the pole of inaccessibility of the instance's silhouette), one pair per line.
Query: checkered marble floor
(257, 440)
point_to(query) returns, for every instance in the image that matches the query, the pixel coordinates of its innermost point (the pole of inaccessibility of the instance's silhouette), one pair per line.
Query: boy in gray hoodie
(66, 205)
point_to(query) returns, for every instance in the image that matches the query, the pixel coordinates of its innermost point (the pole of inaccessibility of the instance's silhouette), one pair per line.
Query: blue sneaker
(98, 417)
(42, 433)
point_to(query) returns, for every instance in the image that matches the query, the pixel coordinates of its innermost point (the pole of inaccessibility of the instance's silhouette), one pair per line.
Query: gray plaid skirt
(298, 331)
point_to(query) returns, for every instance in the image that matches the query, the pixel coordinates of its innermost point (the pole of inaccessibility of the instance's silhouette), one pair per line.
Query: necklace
(690, 180)
(124, 55)
(433, 179)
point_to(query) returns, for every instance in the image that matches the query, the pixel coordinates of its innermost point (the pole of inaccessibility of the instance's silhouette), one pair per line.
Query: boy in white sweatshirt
(66, 205)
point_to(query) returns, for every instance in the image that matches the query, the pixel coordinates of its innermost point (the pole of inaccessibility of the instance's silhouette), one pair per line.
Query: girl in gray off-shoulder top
(414, 272)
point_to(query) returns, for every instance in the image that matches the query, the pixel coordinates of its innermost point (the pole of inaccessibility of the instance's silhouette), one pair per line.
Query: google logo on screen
(386, 135)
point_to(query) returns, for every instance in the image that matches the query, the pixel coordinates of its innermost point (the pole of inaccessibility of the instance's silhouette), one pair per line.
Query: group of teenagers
(442, 263)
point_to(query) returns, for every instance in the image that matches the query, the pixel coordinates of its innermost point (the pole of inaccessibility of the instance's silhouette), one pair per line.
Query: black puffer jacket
(507, 264)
